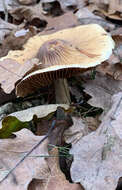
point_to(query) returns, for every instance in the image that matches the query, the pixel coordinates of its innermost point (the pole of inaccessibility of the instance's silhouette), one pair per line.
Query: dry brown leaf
(92, 123)
(114, 70)
(117, 32)
(66, 20)
(98, 156)
(81, 127)
(113, 65)
(8, 4)
(72, 3)
(113, 59)
(69, 3)
(39, 111)
(31, 14)
(115, 6)
(27, 2)
(5, 28)
(6, 97)
(85, 13)
(76, 131)
(117, 36)
(35, 184)
(9, 74)
(114, 16)
(101, 89)
(56, 179)
(112, 5)
(85, 16)
(11, 71)
(12, 150)
(107, 8)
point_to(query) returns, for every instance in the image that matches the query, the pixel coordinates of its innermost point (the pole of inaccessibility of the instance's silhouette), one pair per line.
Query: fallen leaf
(27, 2)
(97, 160)
(111, 16)
(25, 119)
(116, 32)
(40, 111)
(11, 71)
(34, 184)
(60, 22)
(107, 8)
(85, 16)
(31, 14)
(117, 36)
(114, 70)
(72, 3)
(112, 5)
(52, 8)
(5, 29)
(86, 13)
(34, 166)
(69, 4)
(56, 179)
(113, 66)
(76, 131)
(91, 123)
(101, 89)
(6, 97)
(8, 4)
(11, 124)
(113, 59)
(81, 127)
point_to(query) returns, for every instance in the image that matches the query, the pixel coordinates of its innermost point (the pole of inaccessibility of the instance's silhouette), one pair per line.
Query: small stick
(5, 10)
(24, 157)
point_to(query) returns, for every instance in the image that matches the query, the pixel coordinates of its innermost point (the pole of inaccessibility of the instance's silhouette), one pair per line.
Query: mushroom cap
(65, 53)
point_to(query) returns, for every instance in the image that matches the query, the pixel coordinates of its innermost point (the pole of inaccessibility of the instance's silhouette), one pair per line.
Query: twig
(25, 156)
(5, 10)
(3, 28)
(7, 167)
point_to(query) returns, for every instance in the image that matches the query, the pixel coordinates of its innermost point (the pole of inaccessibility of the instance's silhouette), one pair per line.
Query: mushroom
(63, 54)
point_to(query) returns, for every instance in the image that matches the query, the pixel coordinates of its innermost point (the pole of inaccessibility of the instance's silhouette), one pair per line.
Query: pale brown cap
(65, 53)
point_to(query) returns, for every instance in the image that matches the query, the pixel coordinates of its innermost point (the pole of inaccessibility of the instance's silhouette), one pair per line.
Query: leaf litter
(97, 157)
(33, 167)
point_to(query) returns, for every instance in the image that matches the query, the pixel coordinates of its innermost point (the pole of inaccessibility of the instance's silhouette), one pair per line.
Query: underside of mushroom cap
(41, 78)
(77, 50)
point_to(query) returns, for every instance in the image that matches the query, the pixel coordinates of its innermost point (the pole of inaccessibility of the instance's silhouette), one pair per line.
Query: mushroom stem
(62, 92)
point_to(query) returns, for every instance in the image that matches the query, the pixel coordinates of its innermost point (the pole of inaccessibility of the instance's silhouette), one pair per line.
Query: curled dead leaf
(34, 166)
(56, 179)
(10, 72)
(97, 157)
(101, 89)
(31, 14)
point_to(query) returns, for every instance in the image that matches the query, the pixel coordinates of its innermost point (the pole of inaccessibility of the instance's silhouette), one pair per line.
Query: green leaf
(11, 124)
